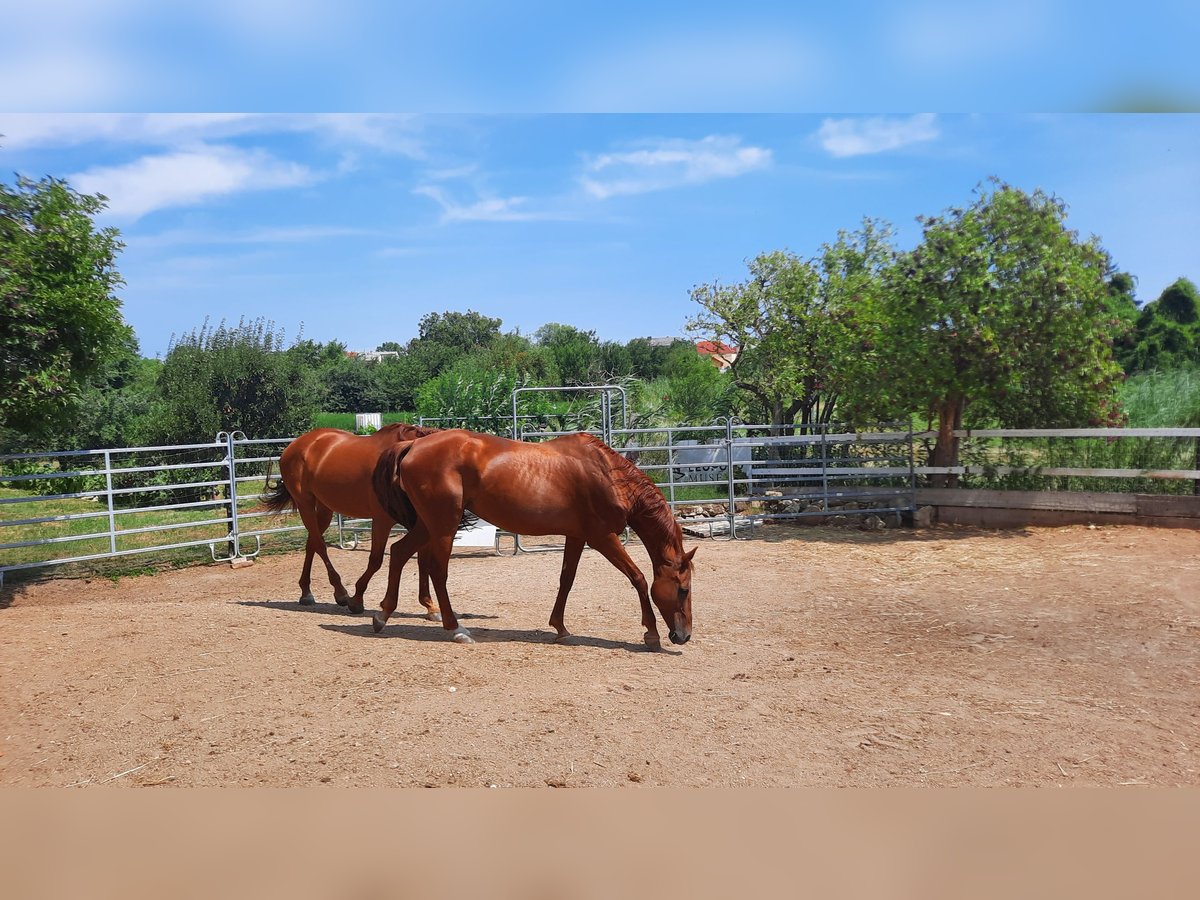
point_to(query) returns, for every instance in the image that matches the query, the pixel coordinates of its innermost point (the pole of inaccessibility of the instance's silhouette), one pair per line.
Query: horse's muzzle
(677, 638)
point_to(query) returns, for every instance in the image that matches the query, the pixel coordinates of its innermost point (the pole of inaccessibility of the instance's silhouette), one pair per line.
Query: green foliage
(1167, 332)
(59, 318)
(999, 315)
(350, 385)
(1168, 399)
(576, 353)
(647, 360)
(470, 396)
(697, 391)
(234, 379)
(800, 327)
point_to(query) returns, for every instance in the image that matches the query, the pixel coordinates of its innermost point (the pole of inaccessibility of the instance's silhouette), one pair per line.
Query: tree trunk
(945, 451)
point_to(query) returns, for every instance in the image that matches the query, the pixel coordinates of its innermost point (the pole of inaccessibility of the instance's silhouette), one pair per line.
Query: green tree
(771, 319)
(59, 317)
(463, 332)
(1167, 332)
(1123, 310)
(350, 385)
(234, 379)
(697, 390)
(576, 353)
(999, 315)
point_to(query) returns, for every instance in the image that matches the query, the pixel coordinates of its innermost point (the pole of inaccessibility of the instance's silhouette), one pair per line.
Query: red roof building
(722, 355)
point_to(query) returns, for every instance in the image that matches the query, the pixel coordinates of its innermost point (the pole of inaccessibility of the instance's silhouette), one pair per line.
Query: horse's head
(672, 594)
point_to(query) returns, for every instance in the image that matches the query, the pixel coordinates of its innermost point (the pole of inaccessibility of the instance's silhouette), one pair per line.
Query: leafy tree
(463, 332)
(397, 382)
(999, 315)
(646, 360)
(697, 390)
(350, 385)
(1167, 332)
(576, 353)
(390, 345)
(1123, 310)
(228, 379)
(770, 319)
(59, 318)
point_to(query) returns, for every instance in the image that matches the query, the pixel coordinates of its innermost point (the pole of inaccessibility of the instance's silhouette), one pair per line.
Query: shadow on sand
(332, 609)
(485, 635)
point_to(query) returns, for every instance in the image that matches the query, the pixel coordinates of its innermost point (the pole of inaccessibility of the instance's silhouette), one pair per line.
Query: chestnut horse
(575, 486)
(327, 471)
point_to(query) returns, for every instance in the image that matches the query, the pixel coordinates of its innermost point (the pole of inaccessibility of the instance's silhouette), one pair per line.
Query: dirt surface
(1066, 656)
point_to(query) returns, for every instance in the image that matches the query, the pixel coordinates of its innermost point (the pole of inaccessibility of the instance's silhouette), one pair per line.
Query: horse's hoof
(561, 637)
(357, 610)
(462, 636)
(307, 600)
(433, 617)
(376, 623)
(341, 601)
(652, 640)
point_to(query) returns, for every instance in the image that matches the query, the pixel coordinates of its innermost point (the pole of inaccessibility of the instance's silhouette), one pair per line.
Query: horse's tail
(276, 497)
(386, 481)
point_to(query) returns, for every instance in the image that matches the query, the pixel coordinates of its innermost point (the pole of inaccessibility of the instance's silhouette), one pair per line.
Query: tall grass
(1151, 400)
(1163, 399)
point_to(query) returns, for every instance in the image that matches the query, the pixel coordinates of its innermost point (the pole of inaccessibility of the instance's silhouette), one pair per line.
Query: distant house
(722, 355)
(662, 341)
(372, 355)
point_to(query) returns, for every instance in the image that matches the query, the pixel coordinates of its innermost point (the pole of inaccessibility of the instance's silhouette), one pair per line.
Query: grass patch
(345, 421)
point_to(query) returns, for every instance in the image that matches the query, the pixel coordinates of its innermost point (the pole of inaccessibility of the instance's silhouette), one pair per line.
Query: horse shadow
(332, 609)
(484, 635)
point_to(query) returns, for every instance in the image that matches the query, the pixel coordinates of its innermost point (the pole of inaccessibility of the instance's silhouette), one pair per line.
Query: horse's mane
(646, 501)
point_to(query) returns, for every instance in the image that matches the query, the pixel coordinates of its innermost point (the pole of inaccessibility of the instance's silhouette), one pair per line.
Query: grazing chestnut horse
(327, 471)
(575, 486)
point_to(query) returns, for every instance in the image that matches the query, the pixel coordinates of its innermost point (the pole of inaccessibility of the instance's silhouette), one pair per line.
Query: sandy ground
(1064, 656)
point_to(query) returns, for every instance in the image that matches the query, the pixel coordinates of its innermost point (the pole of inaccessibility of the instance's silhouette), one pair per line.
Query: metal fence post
(235, 544)
(108, 490)
(824, 467)
(732, 509)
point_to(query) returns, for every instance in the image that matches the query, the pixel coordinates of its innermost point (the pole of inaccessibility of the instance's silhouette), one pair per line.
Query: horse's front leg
(571, 554)
(402, 552)
(610, 546)
(423, 595)
(381, 530)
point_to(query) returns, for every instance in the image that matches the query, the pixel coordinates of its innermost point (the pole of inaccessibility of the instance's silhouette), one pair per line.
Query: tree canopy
(1000, 314)
(60, 319)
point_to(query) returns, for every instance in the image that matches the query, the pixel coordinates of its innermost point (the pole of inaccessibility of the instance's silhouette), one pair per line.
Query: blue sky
(357, 225)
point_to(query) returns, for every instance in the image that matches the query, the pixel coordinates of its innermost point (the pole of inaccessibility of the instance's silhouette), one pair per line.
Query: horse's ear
(687, 559)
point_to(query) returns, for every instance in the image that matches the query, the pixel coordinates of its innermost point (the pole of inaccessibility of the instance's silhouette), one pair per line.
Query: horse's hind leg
(571, 554)
(316, 538)
(323, 515)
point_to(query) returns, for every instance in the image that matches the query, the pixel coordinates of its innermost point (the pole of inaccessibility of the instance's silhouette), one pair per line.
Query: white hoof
(462, 636)
(433, 617)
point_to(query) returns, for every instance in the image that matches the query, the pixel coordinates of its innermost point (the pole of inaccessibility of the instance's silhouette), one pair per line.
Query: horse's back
(334, 467)
(554, 487)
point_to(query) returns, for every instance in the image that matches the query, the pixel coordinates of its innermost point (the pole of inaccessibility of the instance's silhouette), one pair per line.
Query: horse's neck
(663, 543)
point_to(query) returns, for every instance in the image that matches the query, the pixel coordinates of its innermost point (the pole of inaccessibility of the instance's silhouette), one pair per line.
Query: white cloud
(382, 132)
(671, 163)
(187, 177)
(860, 136)
(486, 209)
